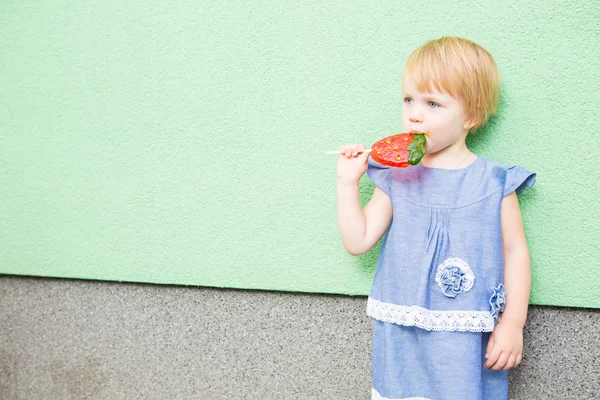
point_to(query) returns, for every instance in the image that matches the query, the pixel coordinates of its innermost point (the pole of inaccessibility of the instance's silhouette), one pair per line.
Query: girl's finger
(493, 357)
(511, 361)
(501, 363)
(490, 346)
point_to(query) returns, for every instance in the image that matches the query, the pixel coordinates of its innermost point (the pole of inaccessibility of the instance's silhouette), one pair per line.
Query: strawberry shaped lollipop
(400, 150)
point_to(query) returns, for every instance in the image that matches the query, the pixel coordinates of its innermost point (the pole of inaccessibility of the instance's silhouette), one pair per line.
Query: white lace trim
(432, 320)
(376, 396)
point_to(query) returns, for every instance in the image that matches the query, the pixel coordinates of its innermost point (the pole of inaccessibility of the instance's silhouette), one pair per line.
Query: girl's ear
(469, 123)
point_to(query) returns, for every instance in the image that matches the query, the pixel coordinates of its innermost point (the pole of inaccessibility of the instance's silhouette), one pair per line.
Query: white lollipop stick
(338, 152)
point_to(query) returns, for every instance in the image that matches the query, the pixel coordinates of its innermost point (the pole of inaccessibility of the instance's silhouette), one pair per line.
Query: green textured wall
(184, 142)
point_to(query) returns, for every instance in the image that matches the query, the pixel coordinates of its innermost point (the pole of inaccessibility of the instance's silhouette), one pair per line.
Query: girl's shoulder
(435, 187)
(509, 177)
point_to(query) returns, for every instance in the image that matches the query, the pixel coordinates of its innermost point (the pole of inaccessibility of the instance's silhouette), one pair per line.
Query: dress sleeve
(518, 179)
(380, 175)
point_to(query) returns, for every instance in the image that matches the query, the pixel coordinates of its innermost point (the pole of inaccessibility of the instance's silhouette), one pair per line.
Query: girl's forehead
(425, 93)
(424, 87)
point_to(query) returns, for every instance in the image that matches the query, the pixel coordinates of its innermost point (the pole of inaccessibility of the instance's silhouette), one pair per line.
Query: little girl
(453, 253)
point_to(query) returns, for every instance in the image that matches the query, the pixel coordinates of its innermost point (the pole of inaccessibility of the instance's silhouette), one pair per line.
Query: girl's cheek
(428, 145)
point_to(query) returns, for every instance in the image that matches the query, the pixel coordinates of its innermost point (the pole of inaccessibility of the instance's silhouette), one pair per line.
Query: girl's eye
(408, 100)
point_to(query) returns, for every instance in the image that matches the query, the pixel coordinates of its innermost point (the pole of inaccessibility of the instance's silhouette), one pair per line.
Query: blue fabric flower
(498, 300)
(454, 276)
(453, 280)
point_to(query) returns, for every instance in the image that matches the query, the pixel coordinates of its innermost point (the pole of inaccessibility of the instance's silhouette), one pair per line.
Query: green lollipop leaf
(416, 148)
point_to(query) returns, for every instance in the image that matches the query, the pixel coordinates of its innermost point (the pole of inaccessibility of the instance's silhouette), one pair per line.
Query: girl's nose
(414, 118)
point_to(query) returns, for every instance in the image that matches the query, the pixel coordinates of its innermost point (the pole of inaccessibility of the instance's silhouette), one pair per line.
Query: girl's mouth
(428, 134)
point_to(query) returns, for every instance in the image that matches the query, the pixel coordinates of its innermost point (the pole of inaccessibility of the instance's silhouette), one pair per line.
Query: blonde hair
(461, 68)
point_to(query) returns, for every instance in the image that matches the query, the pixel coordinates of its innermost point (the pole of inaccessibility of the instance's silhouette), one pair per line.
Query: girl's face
(438, 113)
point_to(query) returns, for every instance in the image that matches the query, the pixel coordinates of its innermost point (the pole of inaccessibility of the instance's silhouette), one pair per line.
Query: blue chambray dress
(438, 290)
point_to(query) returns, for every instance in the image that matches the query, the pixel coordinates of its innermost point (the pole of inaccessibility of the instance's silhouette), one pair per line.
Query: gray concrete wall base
(77, 339)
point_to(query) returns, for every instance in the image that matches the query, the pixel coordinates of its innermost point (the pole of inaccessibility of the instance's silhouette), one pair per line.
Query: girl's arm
(360, 230)
(505, 346)
(517, 269)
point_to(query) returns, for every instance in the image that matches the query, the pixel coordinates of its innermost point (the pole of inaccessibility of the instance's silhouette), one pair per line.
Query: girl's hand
(505, 346)
(352, 162)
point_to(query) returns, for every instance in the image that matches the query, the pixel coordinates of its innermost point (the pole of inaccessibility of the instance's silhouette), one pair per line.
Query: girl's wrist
(346, 182)
(514, 322)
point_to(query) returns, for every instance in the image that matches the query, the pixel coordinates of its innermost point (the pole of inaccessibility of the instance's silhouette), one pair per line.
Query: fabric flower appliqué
(454, 276)
(498, 300)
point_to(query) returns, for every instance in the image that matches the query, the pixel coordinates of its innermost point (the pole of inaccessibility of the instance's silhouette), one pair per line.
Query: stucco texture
(184, 143)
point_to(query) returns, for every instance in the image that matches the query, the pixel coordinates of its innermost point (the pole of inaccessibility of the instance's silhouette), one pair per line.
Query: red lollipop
(400, 150)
